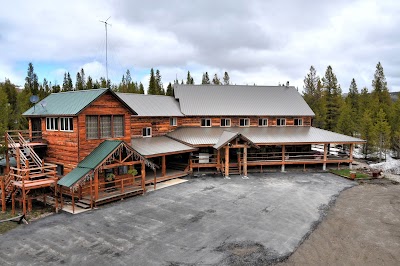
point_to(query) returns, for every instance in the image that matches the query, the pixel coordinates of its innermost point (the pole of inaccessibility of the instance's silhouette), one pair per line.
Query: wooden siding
(159, 125)
(216, 121)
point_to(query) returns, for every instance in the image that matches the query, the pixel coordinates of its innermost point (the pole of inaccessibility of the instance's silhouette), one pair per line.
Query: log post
(18, 159)
(227, 161)
(245, 161)
(163, 166)
(23, 197)
(73, 200)
(3, 194)
(61, 199)
(55, 195)
(96, 184)
(91, 193)
(30, 128)
(155, 178)
(283, 158)
(351, 156)
(218, 160)
(239, 163)
(7, 154)
(143, 172)
(325, 157)
(13, 203)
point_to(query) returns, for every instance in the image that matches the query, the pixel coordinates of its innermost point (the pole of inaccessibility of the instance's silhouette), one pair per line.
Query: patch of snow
(391, 168)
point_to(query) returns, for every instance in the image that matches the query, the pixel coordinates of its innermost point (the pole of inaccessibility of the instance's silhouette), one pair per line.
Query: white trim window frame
(146, 132)
(173, 121)
(205, 122)
(244, 122)
(52, 123)
(298, 122)
(225, 122)
(263, 122)
(281, 122)
(66, 124)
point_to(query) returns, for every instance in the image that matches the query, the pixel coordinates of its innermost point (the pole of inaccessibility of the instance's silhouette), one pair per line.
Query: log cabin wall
(191, 121)
(159, 125)
(62, 146)
(104, 105)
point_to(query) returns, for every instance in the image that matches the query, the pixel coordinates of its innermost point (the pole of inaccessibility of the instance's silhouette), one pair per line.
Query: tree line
(369, 114)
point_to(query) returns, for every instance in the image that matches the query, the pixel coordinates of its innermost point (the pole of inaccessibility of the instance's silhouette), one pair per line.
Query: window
(206, 122)
(244, 122)
(92, 127)
(263, 122)
(172, 121)
(105, 126)
(118, 125)
(52, 123)
(147, 132)
(281, 122)
(60, 169)
(66, 124)
(225, 122)
(298, 121)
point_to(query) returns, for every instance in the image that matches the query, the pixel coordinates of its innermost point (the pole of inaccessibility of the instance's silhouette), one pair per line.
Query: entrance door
(36, 128)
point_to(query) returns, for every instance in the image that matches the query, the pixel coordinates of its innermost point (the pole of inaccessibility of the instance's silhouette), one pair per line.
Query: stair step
(84, 201)
(82, 205)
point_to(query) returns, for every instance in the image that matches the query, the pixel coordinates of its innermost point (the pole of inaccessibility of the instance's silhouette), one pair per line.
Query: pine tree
(216, 80)
(65, 82)
(226, 78)
(189, 79)
(159, 85)
(89, 83)
(5, 110)
(368, 133)
(346, 123)
(70, 83)
(104, 83)
(152, 89)
(380, 90)
(83, 77)
(382, 131)
(141, 88)
(205, 79)
(333, 97)
(353, 97)
(170, 90)
(79, 82)
(395, 125)
(313, 95)
(31, 81)
(46, 86)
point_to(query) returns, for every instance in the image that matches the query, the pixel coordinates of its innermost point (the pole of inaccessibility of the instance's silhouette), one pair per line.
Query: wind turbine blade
(108, 18)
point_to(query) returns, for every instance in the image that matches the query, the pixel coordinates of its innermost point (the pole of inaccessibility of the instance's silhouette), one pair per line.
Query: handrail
(13, 145)
(32, 153)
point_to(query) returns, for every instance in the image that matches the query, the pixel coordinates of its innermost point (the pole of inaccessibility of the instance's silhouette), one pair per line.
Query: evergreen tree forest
(369, 113)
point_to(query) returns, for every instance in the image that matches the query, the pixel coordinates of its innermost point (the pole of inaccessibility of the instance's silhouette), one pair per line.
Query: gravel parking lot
(206, 221)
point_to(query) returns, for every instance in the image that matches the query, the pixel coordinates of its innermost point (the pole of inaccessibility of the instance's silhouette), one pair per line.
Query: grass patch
(346, 173)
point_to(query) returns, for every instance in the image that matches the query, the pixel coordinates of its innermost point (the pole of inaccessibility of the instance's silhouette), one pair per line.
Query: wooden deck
(115, 193)
(170, 174)
(34, 184)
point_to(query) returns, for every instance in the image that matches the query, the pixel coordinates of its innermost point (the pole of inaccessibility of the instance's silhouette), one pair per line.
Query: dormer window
(225, 122)
(206, 122)
(147, 132)
(263, 122)
(172, 121)
(298, 121)
(244, 122)
(281, 122)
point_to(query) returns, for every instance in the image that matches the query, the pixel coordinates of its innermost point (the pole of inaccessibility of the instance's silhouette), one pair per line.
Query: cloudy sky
(256, 41)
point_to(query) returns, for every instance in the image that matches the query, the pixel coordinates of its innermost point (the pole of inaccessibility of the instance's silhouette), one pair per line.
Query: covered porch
(114, 170)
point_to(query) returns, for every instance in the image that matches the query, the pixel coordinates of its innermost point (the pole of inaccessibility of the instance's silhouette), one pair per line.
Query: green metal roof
(73, 176)
(65, 103)
(90, 162)
(99, 154)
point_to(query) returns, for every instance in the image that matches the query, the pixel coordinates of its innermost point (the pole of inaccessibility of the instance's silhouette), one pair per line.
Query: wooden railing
(212, 159)
(36, 159)
(290, 156)
(47, 170)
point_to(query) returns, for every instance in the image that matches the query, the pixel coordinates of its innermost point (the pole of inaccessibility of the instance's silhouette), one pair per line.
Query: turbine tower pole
(105, 25)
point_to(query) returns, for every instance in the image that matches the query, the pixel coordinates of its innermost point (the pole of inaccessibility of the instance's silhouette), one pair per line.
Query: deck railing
(290, 156)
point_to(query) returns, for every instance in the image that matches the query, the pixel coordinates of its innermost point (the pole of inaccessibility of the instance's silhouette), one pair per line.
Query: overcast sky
(256, 41)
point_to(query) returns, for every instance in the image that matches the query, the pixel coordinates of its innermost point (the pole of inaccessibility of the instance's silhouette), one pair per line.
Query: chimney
(287, 83)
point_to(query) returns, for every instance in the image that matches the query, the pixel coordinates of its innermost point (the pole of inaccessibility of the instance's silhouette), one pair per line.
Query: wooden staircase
(30, 169)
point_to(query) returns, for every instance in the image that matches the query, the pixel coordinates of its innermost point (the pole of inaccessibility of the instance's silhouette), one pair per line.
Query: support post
(13, 203)
(73, 200)
(7, 154)
(61, 199)
(30, 128)
(3, 195)
(245, 161)
(164, 166)
(96, 184)
(55, 195)
(155, 178)
(218, 160)
(143, 173)
(226, 161)
(239, 163)
(23, 197)
(283, 158)
(325, 157)
(91, 193)
(351, 156)
(18, 159)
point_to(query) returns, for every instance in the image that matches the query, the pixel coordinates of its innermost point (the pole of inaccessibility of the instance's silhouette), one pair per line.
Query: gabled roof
(262, 135)
(100, 153)
(152, 105)
(240, 100)
(159, 145)
(69, 103)
(228, 136)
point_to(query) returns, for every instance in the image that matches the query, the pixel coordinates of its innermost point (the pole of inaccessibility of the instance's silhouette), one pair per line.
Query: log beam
(163, 166)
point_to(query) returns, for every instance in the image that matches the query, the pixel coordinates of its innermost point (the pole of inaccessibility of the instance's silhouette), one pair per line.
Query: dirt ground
(363, 228)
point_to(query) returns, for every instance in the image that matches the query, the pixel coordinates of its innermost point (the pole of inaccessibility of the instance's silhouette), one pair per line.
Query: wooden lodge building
(97, 146)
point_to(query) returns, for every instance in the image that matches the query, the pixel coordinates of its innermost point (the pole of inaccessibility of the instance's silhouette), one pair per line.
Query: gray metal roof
(241, 100)
(225, 137)
(159, 145)
(152, 105)
(262, 135)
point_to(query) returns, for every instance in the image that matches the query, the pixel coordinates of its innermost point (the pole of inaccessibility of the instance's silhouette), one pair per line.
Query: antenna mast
(105, 25)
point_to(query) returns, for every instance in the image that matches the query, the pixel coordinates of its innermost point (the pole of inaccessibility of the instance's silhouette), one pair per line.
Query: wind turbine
(105, 25)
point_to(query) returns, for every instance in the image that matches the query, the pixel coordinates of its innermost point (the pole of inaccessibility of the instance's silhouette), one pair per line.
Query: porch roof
(228, 136)
(73, 176)
(162, 145)
(262, 135)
